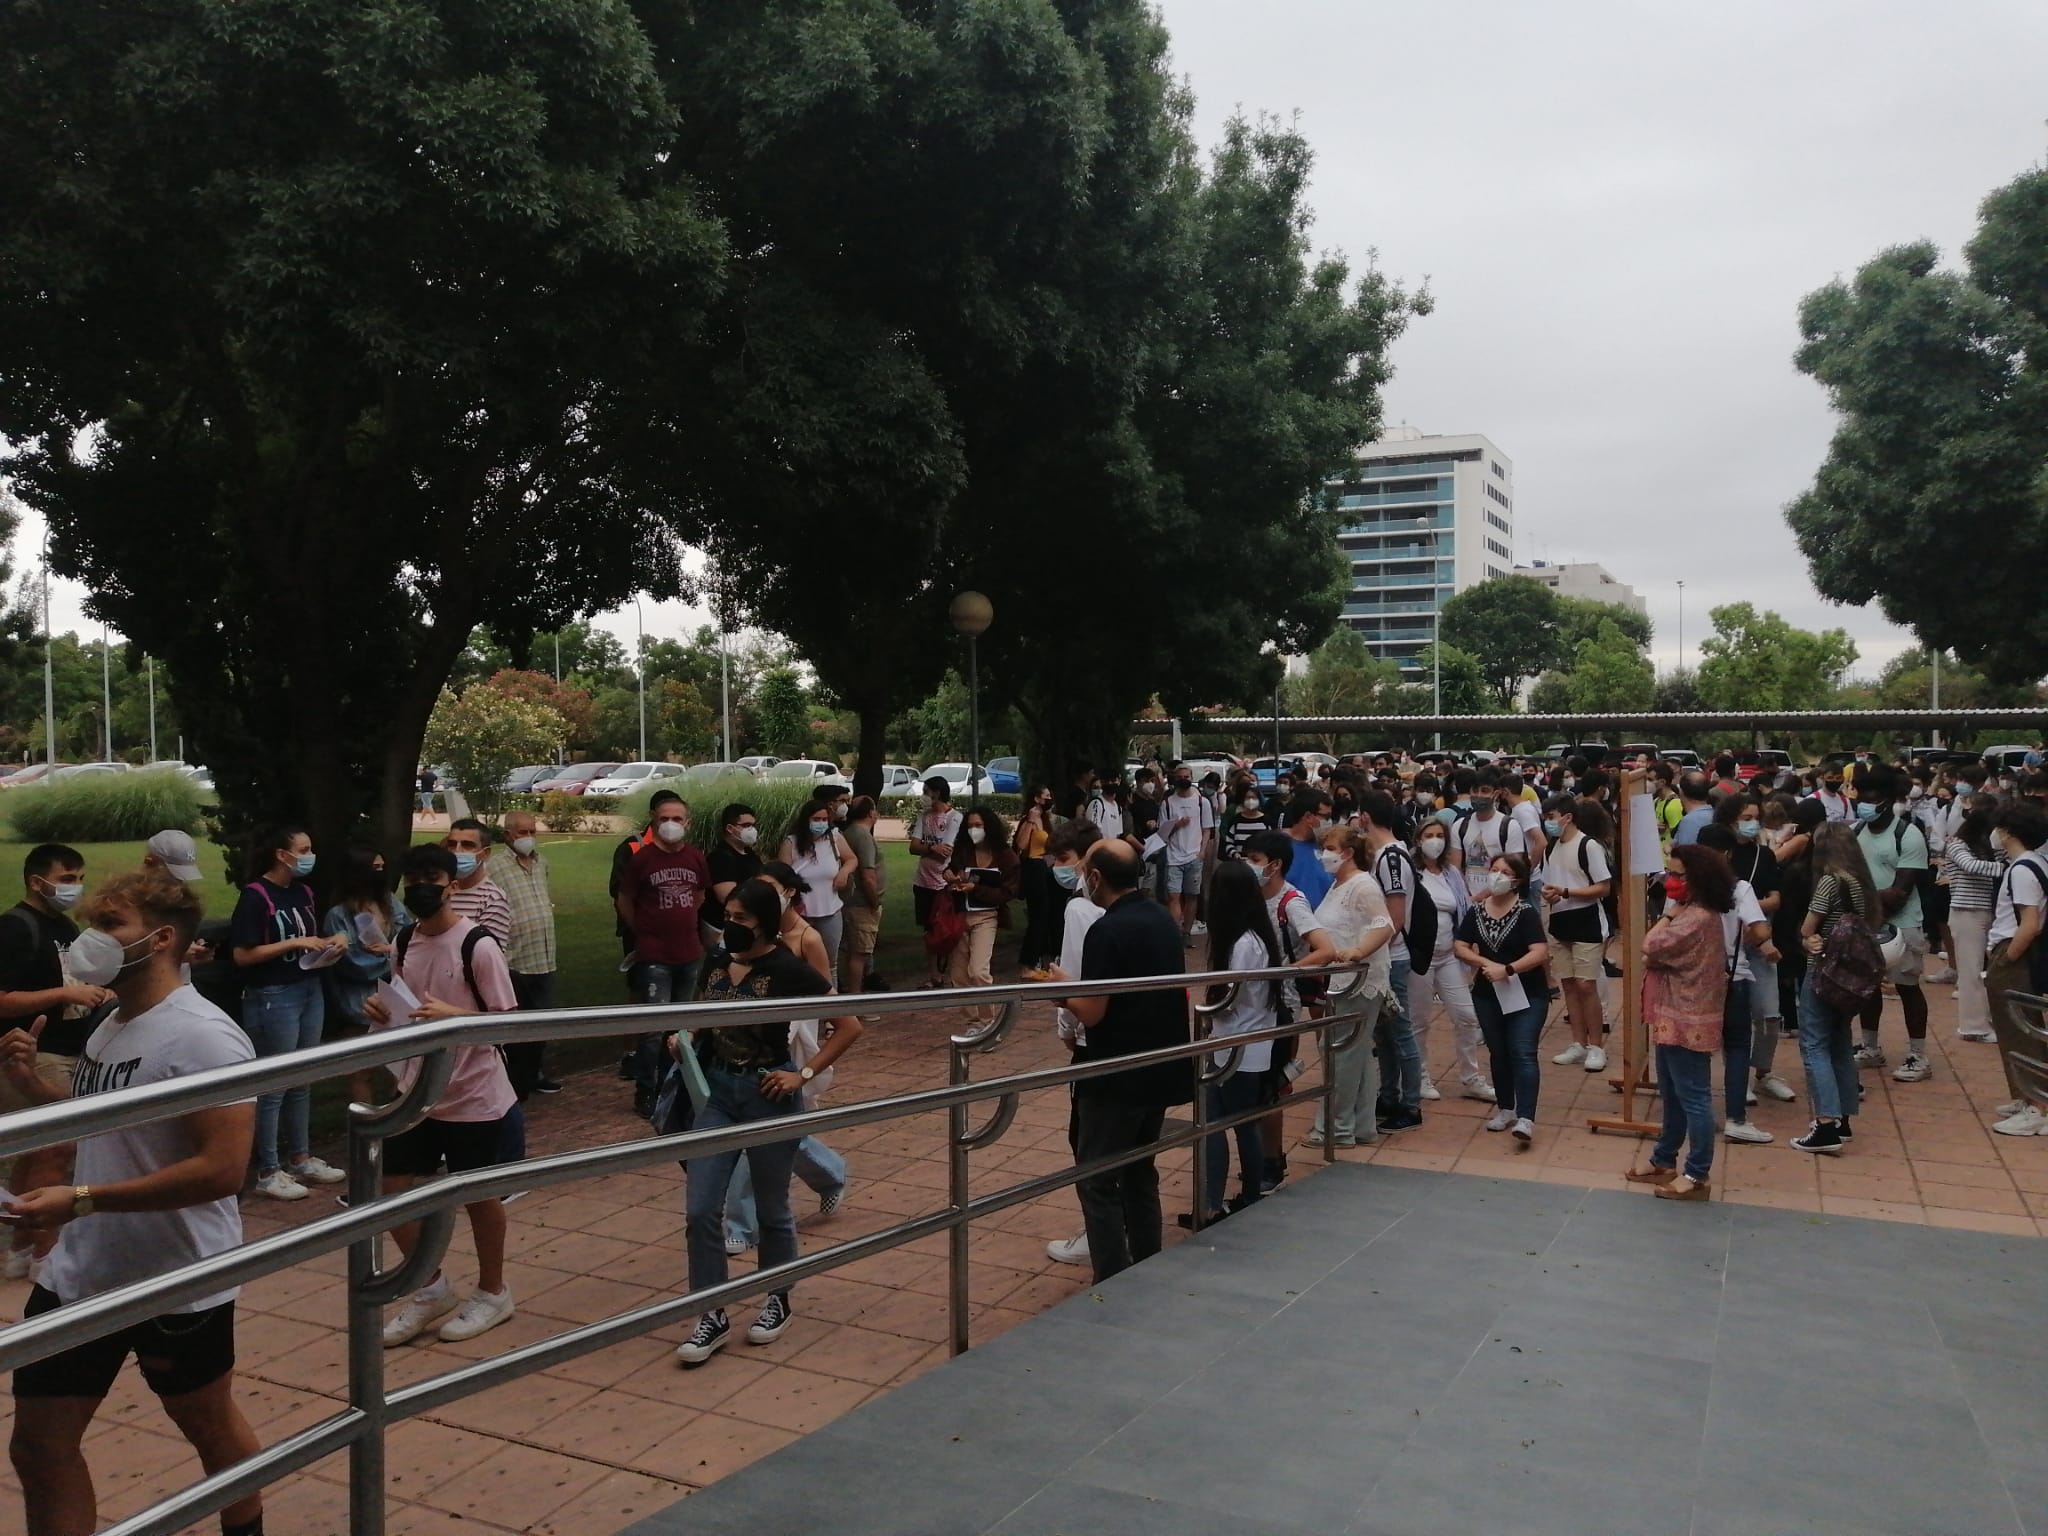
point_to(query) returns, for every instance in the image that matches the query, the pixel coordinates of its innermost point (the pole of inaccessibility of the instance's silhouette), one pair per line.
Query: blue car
(1007, 774)
(1267, 770)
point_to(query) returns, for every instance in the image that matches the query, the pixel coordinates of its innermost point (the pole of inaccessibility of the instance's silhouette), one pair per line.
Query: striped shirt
(485, 905)
(1972, 882)
(530, 951)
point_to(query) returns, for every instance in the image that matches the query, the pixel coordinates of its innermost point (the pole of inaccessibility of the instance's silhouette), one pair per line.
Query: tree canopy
(1940, 382)
(1758, 661)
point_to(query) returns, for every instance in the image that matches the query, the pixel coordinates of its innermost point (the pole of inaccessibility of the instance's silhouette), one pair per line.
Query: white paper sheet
(398, 999)
(1510, 994)
(1645, 852)
(319, 959)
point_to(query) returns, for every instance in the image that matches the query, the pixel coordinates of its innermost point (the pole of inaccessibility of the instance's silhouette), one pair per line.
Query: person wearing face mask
(1355, 916)
(519, 869)
(1068, 850)
(827, 863)
(454, 967)
(1188, 822)
(1896, 851)
(934, 835)
(33, 937)
(1501, 938)
(148, 1199)
(864, 896)
(1042, 902)
(983, 879)
(1245, 820)
(734, 860)
(1482, 834)
(1307, 945)
(2018, 959)
(1758, 889)
(367, 916)
(661, 895)
(475, 894)
(751, 1075)
(284, 1005)
(1832, 800)
(668, 826)
(1433, 914)
(1575, 879)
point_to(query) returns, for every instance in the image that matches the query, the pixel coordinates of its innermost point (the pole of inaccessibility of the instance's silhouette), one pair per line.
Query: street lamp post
(107, 694)
(724, 675)
(152, 708)
(972, 614)
(641, 626)
(1935, 656)
(49, 671)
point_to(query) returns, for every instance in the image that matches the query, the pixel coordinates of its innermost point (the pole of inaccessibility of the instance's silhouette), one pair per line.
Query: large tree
(309, 315)
(1757, 661)
(1940, 455)
(1509, 624)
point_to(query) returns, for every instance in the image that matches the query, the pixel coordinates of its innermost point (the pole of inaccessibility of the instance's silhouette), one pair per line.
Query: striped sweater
(1972, 882)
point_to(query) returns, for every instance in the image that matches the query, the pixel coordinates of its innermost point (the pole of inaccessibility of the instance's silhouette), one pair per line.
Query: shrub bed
(104, 807)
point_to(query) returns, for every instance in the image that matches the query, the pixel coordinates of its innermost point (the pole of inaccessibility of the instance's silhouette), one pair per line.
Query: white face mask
(66, 895)
(670, 832)
(97, 958)
(976, 835)
(1329, 858)
(1501, 885)
(749, 836)
(524, 846)
(1432, 847)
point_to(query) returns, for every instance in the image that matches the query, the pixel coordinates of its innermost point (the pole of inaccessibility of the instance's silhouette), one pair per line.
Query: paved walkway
(603, 1441)
(1384, 1352)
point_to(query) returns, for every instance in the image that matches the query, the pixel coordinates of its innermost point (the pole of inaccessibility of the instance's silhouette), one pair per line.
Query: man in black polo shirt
(1135, 936)
(32, 986)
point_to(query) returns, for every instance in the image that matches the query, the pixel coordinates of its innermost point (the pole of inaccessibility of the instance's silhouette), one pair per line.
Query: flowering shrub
(483, 734)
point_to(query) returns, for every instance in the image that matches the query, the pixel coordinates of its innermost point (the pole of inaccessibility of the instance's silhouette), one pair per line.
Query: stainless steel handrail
(360, 1427)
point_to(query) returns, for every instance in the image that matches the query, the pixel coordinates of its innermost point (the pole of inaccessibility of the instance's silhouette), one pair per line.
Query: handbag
(683, 1092)
(948, 926)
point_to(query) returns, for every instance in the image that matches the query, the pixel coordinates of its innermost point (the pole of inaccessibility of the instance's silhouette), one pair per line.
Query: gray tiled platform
(1392, 1353)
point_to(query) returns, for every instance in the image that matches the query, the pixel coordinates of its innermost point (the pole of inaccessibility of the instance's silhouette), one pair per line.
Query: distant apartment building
(1424, 517)
(1584, 579)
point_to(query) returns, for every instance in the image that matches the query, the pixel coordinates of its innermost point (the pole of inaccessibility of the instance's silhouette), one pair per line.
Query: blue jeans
(1393, 1041)
(1827, 1046)
(277, 1019)
(1239, 1092)
(1685, 1083)
(816, 1164)
(737, 1100)
(655, 983)
(1511, 1046)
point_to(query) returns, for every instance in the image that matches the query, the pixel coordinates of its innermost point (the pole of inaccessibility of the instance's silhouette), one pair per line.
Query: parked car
(1765, 763)
(33, 773)
(1217, 764)
(627, 777)
(1266, 771)
(814, 769)
(521, 780)
(711, 773)
(901, 779)
(955, 775)
(1007, 774)
(87, 770)
(2007, 759)
(575, 779)
(1683, 757)
(758, 766)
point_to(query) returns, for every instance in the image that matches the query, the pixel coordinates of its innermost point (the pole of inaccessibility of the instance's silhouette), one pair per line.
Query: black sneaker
(1609, 968)
(712, 1332)
(1842, 1128)
(1822, 1138)
(1402, 1120)
(1273, 1175)
(643, 1103)
(547, 1085)
(626, 1066)
(769, 1322)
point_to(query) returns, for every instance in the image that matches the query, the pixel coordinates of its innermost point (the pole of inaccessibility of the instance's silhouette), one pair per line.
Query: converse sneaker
(1430, 1090)
(1068, 1250)
(425, 1306)
(1596, 1059)
(2028, 1122)
(480, 1314)
(1822, 1138)
(1869, 1055)
(279, 1185)
(1742, 1130)
(1774, 1086)
(315, 1170)
(771, 1320)
(1478, 1088)
(1845, 1130)
(1501, 1120)
(832, 1199)
(709, 1338)
(1914, 1069)
(1399, 1120)
(1570, 1056)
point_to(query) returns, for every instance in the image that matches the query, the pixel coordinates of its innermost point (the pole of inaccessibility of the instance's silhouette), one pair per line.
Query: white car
(955, 775)
(901, 779)
(758, 766)
(627, 777)
(816, 771)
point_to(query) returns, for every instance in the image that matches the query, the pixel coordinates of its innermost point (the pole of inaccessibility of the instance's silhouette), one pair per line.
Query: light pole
(49, 671)
(724, 673)
(640, 624)
(972, 614)
(151, 660)
(1935, 655)
(107, 693)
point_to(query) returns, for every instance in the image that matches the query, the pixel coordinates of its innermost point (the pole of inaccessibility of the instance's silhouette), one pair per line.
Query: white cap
(177, 853)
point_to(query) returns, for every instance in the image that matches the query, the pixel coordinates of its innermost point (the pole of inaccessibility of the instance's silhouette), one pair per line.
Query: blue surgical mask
(465, 865)
(1447, 815)
(1068, 876)
(1553, 828)
(819, 828)
(303, 865)
(1866, 810)
(1748, 828)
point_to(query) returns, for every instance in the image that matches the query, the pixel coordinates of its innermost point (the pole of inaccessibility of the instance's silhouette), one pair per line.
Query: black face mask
(739, 938)
(423, 901)
(1183, 784)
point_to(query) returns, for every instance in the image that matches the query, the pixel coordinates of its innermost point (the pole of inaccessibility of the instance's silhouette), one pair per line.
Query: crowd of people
(1792, 904)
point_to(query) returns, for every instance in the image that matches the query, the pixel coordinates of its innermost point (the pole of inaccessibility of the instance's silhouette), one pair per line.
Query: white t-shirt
(1733, 924)
(1437, 887)
(1353, 909)
(1528, 816)
(931, 827)
(181, 1035)
(818, 869)
(1483, 841)
(1301, 921)
(1081, 915)
(1836, 806)
(1561, 868)
(2020, 888)
(1184, 838)
(1107, 815)
(1252, 1008)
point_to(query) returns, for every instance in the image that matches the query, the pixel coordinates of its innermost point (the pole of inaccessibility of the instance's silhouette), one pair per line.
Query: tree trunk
(874, 746)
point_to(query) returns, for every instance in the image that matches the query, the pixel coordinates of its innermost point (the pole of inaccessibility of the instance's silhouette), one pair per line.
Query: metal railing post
(1328, 1033)
(1202, 1068)
(957, 1141)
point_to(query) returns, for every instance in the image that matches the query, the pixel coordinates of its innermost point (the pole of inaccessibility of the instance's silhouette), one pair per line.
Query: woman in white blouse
(1355, 913)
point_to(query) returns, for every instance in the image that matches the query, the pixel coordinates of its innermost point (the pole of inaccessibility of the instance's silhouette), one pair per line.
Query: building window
(1497, 470)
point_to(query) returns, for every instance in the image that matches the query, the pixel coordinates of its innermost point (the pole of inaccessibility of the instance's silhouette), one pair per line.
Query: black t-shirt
(731, 865)
(1759, 866)
(1137, 937)
(1506, 940)
(268, 913)
(754, 1047)
(29, 941)
(1141, 817)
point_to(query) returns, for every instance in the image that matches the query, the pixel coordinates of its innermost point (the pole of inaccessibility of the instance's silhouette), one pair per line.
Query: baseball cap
(178, 854)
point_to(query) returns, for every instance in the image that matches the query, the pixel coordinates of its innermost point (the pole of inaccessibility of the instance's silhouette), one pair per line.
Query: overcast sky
(1618, 207)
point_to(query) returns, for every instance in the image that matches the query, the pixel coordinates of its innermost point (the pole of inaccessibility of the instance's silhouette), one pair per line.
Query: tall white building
(1587, 579)
(1424, 517)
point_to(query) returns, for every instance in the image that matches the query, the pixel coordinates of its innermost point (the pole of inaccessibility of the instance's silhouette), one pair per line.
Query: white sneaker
(1750, 1098)
(1479, 1089)
(1524, 1130)
(1940, 978)
(1776, 1087)
(1914, 1069)
(2028, 1122)
(1596, 1059)
(422, 1308)
(1429, 1090)
(2010, 1107)
(279, 1185)
(1742, 1130)
(480, 1314)
(1068, 1250)
(1975, 1034)
(1197, 929)
(1501, 1120)
(1570, 1056)
(735, 1246)
(317, 1171)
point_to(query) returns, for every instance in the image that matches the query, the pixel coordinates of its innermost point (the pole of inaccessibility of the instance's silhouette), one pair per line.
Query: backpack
(1850, 967)
(477, 934)
(1308, 988)
(1575, 923)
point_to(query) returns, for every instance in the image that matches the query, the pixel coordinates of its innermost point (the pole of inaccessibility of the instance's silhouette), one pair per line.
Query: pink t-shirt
(480, 1088)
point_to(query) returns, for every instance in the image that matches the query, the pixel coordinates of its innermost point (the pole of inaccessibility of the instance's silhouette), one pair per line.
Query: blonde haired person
(1355, 914)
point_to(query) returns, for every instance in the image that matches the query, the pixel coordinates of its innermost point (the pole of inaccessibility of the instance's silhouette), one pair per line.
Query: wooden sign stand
(1635, 1044)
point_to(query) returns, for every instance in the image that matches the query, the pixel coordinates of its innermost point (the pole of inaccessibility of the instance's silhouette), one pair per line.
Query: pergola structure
(1664, 728)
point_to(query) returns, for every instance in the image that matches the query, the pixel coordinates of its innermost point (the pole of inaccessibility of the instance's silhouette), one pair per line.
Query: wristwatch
(805, 1073)
(81, 1200)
